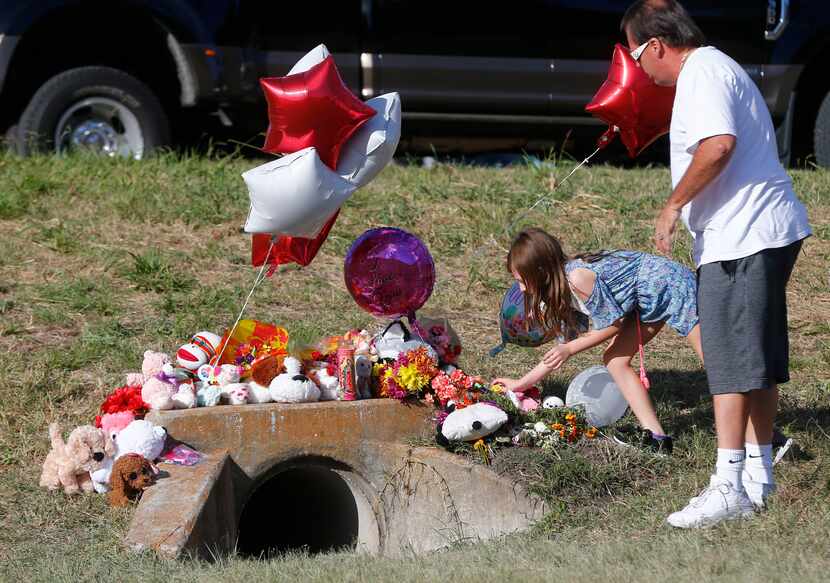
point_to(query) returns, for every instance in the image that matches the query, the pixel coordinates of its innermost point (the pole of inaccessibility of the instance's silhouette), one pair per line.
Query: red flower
(126, 398)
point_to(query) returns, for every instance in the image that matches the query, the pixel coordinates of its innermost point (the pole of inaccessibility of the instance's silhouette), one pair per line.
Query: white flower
(541, 428)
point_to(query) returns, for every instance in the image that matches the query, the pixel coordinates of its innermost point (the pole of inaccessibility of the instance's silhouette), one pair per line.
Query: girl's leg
(617, 359)
(694, 339)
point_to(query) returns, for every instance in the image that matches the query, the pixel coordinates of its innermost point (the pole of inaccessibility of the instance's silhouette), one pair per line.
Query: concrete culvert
(305, 506)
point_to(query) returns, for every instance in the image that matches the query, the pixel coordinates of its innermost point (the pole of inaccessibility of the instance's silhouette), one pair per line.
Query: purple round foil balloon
(389, 272)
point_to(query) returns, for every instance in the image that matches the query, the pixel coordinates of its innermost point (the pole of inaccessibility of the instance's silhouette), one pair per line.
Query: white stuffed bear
(292, 386)
(258, 393)
(329, 384)
(141, 437)
(185, 397)
(471, 423)
(552, 402)
(216, 382)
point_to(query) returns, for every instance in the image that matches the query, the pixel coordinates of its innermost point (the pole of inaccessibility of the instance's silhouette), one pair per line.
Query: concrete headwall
(407, 498)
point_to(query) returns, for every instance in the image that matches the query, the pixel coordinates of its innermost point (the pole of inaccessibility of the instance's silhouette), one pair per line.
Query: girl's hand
(557, 356)
(508, 384)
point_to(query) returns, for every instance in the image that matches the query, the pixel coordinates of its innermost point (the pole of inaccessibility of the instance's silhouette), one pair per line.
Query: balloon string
(261, 276)
(513, 223)
(549, 193)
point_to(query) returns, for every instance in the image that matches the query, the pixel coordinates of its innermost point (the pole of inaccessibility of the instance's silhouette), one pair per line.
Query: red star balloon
(312, 108)
(298, 250)
(629, 100)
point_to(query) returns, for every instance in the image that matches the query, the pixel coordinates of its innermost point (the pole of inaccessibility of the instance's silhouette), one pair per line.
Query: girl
(612, 288)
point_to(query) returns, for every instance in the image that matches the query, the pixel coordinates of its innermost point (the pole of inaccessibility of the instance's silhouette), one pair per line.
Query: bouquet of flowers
(409, 375)
(458, 387)
(555, 427)
(126, 398)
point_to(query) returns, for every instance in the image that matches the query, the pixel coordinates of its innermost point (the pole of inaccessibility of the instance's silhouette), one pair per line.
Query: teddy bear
(471, 423)
(552, 402)
(131, 475)
(185, 397)
(113, 423)
(218, 382)
(199, 351)
(526, 399)
(327, 382)
(363, 376)
(159, 381)
(264, 369)
(292, 386)
(69, 463)
(141, 437)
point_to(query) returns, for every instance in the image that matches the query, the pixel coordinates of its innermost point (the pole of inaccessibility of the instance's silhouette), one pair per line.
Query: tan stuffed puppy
(131, 475)
(69, 463)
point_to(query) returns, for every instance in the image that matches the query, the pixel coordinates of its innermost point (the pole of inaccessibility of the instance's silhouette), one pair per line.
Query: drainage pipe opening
(301, 508)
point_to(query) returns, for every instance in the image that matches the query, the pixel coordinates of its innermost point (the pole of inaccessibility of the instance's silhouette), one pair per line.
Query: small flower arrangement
(126, 398)
(409, 375)
(554, 427)
(458, 387)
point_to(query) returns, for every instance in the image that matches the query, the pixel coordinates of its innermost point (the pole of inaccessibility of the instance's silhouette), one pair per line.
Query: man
(747, 224)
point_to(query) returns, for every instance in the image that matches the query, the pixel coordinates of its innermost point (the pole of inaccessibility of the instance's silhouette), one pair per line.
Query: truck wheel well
(812, 87)
(88, 35)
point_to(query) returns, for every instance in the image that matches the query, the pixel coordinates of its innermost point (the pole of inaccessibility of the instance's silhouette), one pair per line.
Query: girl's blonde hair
(538, 259)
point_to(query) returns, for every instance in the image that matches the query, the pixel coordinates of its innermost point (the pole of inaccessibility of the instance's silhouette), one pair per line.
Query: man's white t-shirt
(750, 205)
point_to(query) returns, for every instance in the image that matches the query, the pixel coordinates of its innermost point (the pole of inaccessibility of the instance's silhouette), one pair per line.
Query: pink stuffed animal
(527, 399)
(158, 383)
(112, 423)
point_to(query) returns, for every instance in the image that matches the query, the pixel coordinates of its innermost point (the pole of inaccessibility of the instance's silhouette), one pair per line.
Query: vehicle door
(453, 57)
(280, 33)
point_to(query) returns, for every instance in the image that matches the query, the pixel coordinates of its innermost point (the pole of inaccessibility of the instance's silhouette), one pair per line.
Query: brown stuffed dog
(69, 463)
(131, 475)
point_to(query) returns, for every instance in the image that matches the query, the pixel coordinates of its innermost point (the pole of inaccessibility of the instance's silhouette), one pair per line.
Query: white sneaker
(717, 502)
(758, 492)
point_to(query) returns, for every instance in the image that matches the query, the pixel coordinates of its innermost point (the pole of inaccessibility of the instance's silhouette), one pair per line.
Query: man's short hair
(663, 19)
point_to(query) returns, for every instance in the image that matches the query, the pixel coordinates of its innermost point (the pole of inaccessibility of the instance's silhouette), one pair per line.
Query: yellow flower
(410, 377)
(557, 426)
(591, 433)
(570, 417)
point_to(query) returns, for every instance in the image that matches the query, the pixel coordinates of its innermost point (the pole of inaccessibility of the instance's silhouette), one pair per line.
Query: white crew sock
(759, 462)
(730, 465)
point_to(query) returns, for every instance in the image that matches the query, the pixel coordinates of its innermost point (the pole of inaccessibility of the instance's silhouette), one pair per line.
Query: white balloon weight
(313, 57)
(294, 195)
(597, 392)
(374, 144)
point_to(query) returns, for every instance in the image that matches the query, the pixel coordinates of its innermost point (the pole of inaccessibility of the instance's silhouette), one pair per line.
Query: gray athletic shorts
(743, 320)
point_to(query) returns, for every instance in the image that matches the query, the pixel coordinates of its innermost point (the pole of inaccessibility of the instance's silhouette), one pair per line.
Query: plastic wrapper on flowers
(438, 333)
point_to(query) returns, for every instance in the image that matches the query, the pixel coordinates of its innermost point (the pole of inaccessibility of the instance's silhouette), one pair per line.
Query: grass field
(102, 259)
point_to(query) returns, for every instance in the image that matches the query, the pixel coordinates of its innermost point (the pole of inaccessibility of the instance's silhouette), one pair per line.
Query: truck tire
(821, 134)
(97, 108)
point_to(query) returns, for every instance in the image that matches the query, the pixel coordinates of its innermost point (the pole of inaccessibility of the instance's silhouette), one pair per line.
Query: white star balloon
(294, 195)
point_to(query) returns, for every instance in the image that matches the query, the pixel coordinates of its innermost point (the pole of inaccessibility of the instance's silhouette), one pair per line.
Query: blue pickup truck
(122, 76)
